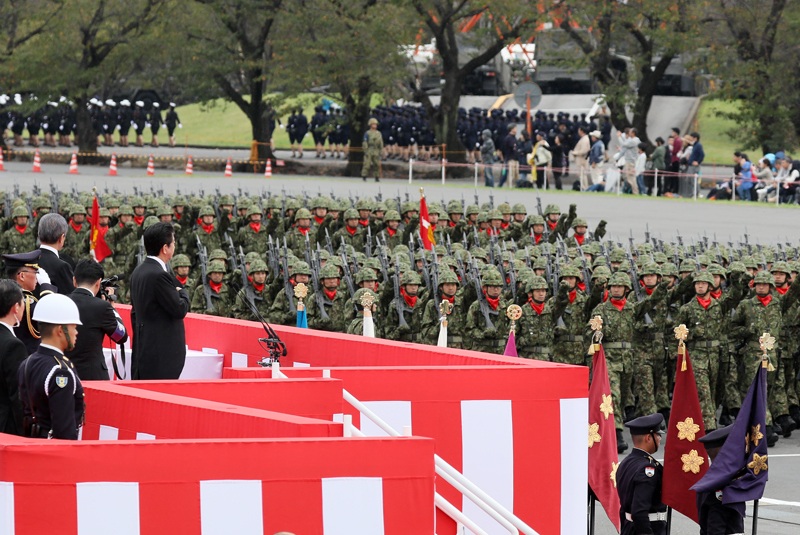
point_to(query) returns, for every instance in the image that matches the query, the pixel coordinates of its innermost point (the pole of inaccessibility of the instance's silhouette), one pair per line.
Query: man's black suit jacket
(12, 353)
(98, 320)
(60, 272)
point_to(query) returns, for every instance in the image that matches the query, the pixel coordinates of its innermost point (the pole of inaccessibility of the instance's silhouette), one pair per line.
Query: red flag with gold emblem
(685, 459)
(425, 228)
(98, 240)
(603, 458)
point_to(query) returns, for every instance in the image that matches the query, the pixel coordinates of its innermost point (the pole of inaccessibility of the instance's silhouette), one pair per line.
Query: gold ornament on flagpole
(596, 323)
(767, 342)
(422, 192)
(681, 333)
(300, 292)
(445, 307)
(514, 312)
(367, 300)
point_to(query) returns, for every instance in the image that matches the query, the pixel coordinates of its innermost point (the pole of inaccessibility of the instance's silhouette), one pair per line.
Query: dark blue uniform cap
(644, 425)
(16, 261)
(715, 439)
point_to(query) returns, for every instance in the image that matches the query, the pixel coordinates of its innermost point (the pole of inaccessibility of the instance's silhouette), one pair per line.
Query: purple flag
(740, 470)
(511, 346)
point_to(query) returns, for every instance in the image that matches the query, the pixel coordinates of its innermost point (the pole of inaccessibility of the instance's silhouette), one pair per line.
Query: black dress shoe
(621, 444)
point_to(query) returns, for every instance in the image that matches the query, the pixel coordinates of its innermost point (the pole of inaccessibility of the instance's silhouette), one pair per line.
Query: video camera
(110, 282)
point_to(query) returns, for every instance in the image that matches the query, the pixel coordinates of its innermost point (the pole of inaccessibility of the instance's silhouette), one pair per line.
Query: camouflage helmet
(617, 255)
(400, 249)
(504, 208)
(540, 263)
(687, 266)
(274, 203)
(704, 260)
(361, 292)
(491, 277)
(350, 213)
(111, 201)
(206, 210)
(149, 220)
(152, 204)
(391, 215)
(40, 202)
(363, 204)
(292, 204)
(125, 209)
(366, 275)
(495, 214)
(448, 277)
(258, 265)
(216, 266)
(551, 209)
(301, 268)
(103, 212)
(519, 208)
(668, 269)
(624, 266)
(76, 209)
(483, 217)
(19, 211)
(750, 262)
(660, 258)
(536, 283)
(408, 206)
(179, 200)
(379, 207)
(716, 269)
(410, 277)
(318, 202)
(649, 268)
(781, 267)
(302, 213)
(704, 276)
(620, 279)
(764, 277)
(599, 261)
(341, 206)
(769, 256)
(164, 210)
(454, 207)
(250, 257)
(535, 219)
(329, 272)
(180, 260)
(473, 209)
(255, 209)
(570, 271)
(372, 121)
(226, 200)
(217, 254)
(479, 252)
(601, 271)
(579, 222)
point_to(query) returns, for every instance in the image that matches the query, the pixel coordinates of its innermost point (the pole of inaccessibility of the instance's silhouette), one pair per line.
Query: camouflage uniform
(355, 239)
(570, 314)
(455, 320)
(296, 240)
(280, 312)
(392, 240)
(13, 241)
(210, 240)
(76, 240)
(489, 340)
(413, 331)
(251, 240)
(352, 307)
(535, 330)
(372, 145)
(221, 301)
(788, 339)
(181, 260)
(334, 307)
(241, 308)
(356, 324)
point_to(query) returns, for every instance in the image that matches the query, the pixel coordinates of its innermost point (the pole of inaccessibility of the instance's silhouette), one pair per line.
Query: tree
(80, 52)
(485, 26)
(349, 51)
(652, 33)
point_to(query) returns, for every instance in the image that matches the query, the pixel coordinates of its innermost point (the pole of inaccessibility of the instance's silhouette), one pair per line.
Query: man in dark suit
(98, 319)
(23, 268)
(12, 353)
(52, 234)
(159, 305)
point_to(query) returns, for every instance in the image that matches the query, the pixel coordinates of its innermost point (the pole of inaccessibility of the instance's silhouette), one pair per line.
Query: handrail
(453, 512)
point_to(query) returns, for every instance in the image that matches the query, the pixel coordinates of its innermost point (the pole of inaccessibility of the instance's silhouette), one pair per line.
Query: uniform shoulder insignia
(718, 494)
(61, 382)
(649, 471)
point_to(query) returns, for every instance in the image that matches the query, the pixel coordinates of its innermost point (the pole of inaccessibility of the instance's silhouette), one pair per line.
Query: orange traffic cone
(37, 162)
(73, 164)
(1, 161)
(189, 166)
(151, 166)
(268, 170)
(228, 169)
(112, 169)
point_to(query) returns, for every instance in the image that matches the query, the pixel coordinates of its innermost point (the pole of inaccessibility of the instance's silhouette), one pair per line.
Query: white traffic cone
(1, 161)
(268, 170)
(112, 169)
(37, 162)
(189, 166)
(151, 166)
(73, 164)
(228, 169)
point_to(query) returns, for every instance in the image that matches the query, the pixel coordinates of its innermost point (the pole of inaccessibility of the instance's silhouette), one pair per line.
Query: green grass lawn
(718, 146)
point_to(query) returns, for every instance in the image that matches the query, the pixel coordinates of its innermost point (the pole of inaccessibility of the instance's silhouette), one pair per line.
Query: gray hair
(51, 228)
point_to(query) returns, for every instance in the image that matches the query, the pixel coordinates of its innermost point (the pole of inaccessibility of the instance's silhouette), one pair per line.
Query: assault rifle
(483, 303)
(637, 287)
(287, 285)
(202, 256)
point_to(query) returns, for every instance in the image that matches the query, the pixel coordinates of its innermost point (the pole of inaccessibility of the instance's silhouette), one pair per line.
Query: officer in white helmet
(51, 393)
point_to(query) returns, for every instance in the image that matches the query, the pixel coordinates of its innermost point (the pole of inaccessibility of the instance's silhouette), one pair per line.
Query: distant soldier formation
(242, 256)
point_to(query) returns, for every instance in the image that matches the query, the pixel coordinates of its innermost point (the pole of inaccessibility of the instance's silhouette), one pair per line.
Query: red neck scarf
(705, 303)
(177, 215)
(648, 290)
(258, 287)
(256, 226)
(504, 225)
(493, 302)
(411, 301)
(765, 300)
(303, 230)
(21, 230)
(451, 224)
(449, 299)
(619, 304)
(782, 291)
(363, 222)
(208, 228)
(139, 219)
(717, 294)
(579, 238)
(537, 238)
(214, 286)
(551, 224)
(330, 293)
(605, 296)
(491, 231)
(75, 226)
(391, 232)
(572, 296)
(537, 308)
(319, 220)
(182, 280)
(352, 231)
(582, 286)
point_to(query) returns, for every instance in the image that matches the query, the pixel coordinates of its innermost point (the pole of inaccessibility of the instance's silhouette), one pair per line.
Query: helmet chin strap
(70, 345)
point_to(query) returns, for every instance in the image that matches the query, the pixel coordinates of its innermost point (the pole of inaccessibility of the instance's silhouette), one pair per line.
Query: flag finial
(514, 312)
(681, 333)
(422, 191)
(300, 292)
(596, 323)
(767, 342)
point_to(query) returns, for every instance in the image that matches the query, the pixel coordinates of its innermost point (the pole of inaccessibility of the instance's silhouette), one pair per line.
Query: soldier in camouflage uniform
(486, 338)
(788, 339)
(210, 233)
(755, 316)
(356, 324)
(253, 235)
(180, 268)
(456, 318)
(332, 299)
(570, 310)
(296, 237)
(351, 233)
(535, 328)
(410, 282)
(21, 237)
(281, 312)
(257, 279)
(391, 234)
(372, 145)
(222, 296)
(77, 233)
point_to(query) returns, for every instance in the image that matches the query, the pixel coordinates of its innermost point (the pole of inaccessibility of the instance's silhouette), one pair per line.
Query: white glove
(11, 124)
(147, 125)
(163, 125)
(282, 126)
(42, 277)
(119, 127)
(45, 125)
(180, 125)
(105, 127)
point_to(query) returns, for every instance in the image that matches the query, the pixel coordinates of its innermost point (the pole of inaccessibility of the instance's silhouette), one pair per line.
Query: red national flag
(98, 243)
(685, 460)
(603, 458)
(425, 228)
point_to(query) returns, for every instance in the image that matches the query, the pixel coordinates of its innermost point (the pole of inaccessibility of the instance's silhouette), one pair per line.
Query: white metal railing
(459, 481)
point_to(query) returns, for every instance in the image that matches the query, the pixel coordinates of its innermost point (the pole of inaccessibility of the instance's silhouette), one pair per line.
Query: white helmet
(156, 104)
(110, 102)
(140, 103)
(125, 102)
(57, 309)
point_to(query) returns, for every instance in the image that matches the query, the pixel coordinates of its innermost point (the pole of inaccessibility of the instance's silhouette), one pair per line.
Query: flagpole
(755, 517)
(669, 519)
(592, 502)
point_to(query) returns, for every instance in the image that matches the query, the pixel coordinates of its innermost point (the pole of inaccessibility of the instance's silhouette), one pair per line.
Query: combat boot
(621, 444)
(772, 437)
(794, 412)
(787, 425)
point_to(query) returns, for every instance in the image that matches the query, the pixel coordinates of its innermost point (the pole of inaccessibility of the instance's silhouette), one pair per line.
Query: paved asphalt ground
(779, 514)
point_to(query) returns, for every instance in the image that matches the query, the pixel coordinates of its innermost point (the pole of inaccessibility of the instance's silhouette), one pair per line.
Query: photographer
(99, 319)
